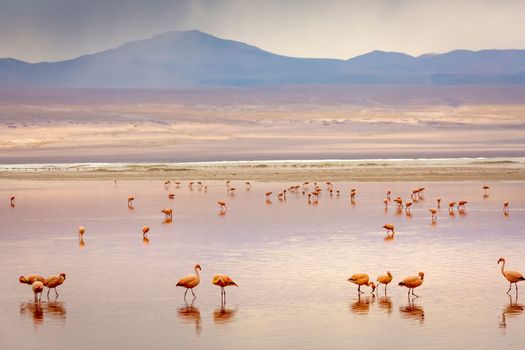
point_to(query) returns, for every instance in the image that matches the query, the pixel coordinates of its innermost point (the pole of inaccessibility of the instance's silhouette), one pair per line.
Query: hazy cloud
(36, 30)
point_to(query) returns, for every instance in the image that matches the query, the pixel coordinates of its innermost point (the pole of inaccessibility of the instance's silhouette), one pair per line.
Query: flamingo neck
(503, 268)
(197, 272)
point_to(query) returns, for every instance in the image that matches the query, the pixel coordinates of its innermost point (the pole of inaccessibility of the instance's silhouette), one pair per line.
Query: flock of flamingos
(191, 281)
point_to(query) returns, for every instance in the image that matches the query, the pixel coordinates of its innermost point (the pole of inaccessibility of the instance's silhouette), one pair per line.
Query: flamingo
(399, 202)
(223, 281)
(81, 231)
(168, 213)
(222, 205)
(362, 279)
(167, 184)
(38, 288)
(386, 202)
(407, 206)
(30, 279)
(451, 206)
(461, 205)
(145, 231)
(389, 228)
(433, 211)
(248, 185)
(130, 201)
(171, 195)
(190, 281)
(268, 194)
(413, 282)
(511, 276)
(53, 282)
(506, 208)
(485, 188)
(384, 279)
(388, 193)
(12, 201)
(438, 202)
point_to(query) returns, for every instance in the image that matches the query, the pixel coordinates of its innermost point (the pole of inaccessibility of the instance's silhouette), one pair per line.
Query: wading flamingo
(38, 288)
(130, 201)
(12, 201)
(53, 282)
(145, 231)
(438, 202)
(388, 193)
(389, 228)
(433, 211)
(506, 208)
(268, 194)
(412, 282)
(461, 205)
(407, 206)
(451, 206)
(362, 279)
(171, 195)
(168, 213)
(222, 205)
(485, 189)
(511, 276)
(30, 279)
(223, 281)
(81, 231)
(190, 281)
(384, 279)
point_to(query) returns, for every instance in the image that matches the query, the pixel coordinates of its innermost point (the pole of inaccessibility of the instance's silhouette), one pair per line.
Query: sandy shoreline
(364, 171)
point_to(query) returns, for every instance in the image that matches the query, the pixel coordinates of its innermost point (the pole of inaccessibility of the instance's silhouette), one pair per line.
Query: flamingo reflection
(385, 303)
(223, 315)
(191, 314)
(512, 309)
(38, 311)
(362, 305)
(411, 311)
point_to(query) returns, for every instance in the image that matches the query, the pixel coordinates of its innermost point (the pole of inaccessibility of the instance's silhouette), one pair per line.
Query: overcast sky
(37, 30)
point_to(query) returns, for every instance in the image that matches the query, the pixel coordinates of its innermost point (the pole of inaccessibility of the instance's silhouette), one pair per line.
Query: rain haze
(35, 30)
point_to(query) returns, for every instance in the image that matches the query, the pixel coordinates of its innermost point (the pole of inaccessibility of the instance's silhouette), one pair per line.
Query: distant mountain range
(193, 58)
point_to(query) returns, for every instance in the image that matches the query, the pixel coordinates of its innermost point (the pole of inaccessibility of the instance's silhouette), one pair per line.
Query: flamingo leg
(48, 290)
(359, 289)
(185, 293)
(192, 292)
(417, 296)
(385, 288)
(509, 288)
(56, 293)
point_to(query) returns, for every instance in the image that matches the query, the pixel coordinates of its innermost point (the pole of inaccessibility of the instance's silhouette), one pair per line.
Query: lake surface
(290, 259)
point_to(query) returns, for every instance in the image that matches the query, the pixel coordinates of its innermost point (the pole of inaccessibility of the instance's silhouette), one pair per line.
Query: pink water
(290, 259)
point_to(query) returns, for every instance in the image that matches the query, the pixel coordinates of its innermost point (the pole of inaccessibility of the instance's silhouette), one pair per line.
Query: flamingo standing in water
(130, 201)
(168, 213)
(511, 276)
(384, 279)
(223, 281)
(388, 193)
(485, 189)
(438, 202)
(190, 281)
(362, 279)
(145, 231)
(433, 211)
(30, 279)
(222, 205)
(53, 282)
(38, 288)
(268, 194)
(399, 202)
(171, 195)
(506, 208)
(461, 205)
(413, 282)
(407, 207)
(81, 231)
(389, 228)
(12, 201)
(451, 206)
(248, 185)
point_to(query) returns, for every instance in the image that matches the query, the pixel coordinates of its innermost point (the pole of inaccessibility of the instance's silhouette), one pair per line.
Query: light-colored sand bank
(511, 169)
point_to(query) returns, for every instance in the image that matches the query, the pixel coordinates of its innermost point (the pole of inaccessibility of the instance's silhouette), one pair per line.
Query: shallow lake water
(290, 259)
